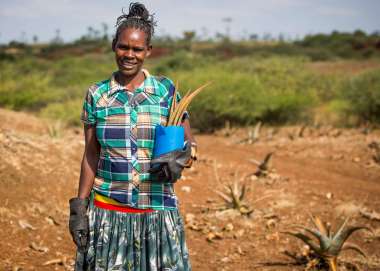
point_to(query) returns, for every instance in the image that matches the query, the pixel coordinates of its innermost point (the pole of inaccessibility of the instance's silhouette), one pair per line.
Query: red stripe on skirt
(124, 209)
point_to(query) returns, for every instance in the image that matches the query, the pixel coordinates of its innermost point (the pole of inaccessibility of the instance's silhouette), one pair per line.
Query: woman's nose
(129, 53)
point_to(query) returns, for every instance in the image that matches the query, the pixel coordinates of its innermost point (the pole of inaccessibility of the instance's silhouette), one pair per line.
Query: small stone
(38, 247)
(51, 220)
(26, 225)
(239, 233)
(214, 235)
(189, 217)
(273, 237)
(195, 227)
(305, 250)
(338, 157)
(229, 227)
(253, 178)
(186, 189)
(240, 251)
(225, 260)
(210, 236)
(329, 195)
(271, 223)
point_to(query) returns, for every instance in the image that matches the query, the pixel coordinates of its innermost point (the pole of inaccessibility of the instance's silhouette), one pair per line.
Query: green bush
(181, 60)
(68, 111)
(31, 83)
(244, 91)
(363, 94)
(32, 92)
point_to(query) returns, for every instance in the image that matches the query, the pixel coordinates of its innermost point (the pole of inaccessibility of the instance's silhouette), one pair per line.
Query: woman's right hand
(78, 222)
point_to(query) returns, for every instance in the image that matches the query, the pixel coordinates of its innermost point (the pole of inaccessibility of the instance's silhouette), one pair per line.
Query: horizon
(21, 20)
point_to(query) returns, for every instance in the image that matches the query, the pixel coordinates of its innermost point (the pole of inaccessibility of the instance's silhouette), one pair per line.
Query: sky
(22, 19)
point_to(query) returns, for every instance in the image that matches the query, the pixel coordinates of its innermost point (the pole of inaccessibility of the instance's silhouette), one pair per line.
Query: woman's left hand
(193, 156)
(169, 166)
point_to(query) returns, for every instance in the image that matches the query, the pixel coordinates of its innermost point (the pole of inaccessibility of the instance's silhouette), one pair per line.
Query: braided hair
(138, 17)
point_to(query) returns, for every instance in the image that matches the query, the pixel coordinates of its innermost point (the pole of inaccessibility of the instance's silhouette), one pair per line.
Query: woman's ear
(149, 51)
(113, 44)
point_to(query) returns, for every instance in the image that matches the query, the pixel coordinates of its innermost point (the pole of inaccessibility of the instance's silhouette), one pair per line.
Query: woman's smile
(128, 65)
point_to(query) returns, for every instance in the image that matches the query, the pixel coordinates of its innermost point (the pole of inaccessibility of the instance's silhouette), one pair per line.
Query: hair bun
(138, 10)
(138, 17)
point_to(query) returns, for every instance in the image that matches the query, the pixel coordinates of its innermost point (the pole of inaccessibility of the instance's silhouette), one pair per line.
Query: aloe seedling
(235, 197)
(375, 146)
(264, 166)
(330, 245)
(253, 135)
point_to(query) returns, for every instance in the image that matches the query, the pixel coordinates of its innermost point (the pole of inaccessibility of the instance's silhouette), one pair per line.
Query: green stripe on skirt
(134, 242)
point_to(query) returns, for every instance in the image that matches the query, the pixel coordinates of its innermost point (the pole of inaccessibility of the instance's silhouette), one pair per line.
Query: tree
(57, 39)
(90, 32)
(267, 37)
(253, 37)
(105, 31)
(188, 37)
(227, 21)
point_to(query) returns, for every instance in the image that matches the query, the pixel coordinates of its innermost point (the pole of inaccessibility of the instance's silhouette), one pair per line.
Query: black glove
(168, 167)
(78, 222)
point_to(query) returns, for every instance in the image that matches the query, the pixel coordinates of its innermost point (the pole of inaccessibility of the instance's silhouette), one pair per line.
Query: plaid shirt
(125, 128)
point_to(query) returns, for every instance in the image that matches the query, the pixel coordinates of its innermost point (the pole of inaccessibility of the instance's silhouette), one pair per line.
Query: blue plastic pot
(167, 139)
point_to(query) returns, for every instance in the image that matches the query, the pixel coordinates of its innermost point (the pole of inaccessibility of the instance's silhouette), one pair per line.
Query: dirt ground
(323, 171)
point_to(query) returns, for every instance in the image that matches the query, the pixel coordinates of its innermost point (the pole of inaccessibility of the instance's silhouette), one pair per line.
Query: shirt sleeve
(88, 112)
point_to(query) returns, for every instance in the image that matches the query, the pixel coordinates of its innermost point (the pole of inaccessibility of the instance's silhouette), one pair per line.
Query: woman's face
(130, 50)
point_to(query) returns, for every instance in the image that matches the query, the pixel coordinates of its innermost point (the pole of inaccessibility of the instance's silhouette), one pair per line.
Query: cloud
(37, 9)
(336, 11)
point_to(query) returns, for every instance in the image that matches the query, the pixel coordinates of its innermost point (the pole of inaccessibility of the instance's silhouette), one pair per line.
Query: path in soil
(327, 172)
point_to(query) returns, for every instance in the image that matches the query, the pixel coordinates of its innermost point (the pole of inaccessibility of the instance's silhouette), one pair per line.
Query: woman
(125, 217)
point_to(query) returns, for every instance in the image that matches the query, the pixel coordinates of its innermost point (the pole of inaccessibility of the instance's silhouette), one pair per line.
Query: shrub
(244, 91)
(68, 111)
(182, 60)
(363, 94)
(31, 93)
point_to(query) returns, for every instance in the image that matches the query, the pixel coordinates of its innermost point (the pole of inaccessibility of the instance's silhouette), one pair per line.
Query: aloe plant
(235, 198)
(263, 167)
(330, 244)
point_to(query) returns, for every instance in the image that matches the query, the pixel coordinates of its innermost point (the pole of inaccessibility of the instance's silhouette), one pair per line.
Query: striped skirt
(122, 241)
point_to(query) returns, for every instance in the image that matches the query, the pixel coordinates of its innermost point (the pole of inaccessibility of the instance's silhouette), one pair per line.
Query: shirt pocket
(149, 116)
(113, 127)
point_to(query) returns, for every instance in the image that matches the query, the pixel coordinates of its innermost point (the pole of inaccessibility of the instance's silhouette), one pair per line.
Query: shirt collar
(149, 85)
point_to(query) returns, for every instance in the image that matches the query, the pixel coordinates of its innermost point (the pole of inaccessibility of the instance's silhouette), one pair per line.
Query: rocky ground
(332, 173)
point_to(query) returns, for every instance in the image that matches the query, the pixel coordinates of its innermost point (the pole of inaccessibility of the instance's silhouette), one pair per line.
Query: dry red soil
(326, 172)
